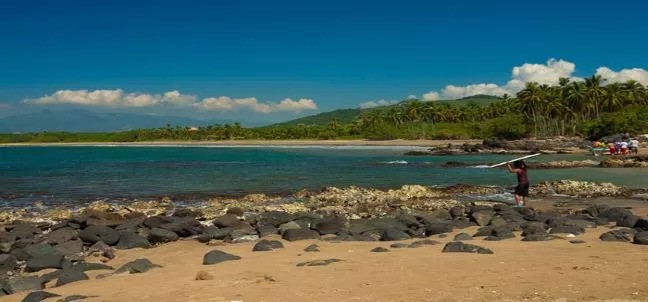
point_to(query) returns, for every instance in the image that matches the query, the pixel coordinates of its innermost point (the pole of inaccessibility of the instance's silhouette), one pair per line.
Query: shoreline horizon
(260, 143)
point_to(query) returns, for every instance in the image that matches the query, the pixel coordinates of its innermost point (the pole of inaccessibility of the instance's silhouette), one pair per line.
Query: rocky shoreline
(39, 251)
(545, 146)
(611, 162)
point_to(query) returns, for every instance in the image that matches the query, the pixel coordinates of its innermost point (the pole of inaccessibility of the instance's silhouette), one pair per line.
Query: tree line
(591, 108)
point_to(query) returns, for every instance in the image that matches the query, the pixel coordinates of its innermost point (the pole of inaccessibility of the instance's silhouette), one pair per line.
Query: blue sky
(333, 53)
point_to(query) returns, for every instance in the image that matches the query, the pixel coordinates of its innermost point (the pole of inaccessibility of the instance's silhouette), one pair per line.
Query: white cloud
(113, 98)
(548, 73)
(118, 99)
(452, 92)
(638, 74)
(225, 103)
(374, 104)
(431, 96)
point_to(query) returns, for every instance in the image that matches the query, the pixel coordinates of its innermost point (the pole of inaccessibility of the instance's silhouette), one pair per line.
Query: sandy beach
(517, 271)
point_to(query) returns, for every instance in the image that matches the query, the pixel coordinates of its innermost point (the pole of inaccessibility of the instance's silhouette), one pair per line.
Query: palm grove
(588, 108)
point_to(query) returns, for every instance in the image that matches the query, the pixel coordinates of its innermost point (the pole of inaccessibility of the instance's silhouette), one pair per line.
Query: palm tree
(531, 98)
(594, 92)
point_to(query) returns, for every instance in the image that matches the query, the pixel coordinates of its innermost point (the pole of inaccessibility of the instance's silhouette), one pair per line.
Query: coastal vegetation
(590, 108)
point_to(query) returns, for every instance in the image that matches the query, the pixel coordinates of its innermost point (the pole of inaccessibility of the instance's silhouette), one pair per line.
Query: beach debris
(203, 275)
(322, 262)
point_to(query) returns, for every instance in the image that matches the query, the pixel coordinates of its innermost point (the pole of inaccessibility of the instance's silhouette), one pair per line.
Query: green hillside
(345, 116)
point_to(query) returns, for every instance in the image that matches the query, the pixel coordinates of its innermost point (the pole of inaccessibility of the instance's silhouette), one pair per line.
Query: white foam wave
(396, 162)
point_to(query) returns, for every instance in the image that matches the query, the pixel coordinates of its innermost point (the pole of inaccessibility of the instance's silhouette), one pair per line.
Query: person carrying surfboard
(522, 188)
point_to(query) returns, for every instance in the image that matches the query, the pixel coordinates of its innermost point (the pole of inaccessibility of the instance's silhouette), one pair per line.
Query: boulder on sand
(216, 256)
(95, 233)
(460, 247)
(267, 245)
(299, 234)
(623, 235)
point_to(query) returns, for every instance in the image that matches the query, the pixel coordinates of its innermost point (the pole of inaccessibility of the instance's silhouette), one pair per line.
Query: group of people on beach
(626, 145)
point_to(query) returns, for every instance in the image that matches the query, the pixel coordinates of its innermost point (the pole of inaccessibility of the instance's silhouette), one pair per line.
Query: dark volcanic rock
(24, 231)
(642, 224)
(208, 233)
(38, 296)
(379, 250)
(399, 245)
(41, 256)
(577, 241)
(299, 234)
(394, 235)
(83, 266)
(22, 283)
(75, 298)
(641, 238)
(628, 221)
(236, 211)
(107, 219)
(456, 212)
(312, 248)
(275, 218)
(534, 228)
(104, 249)
(624, 235)
(484, 231)
(184, 212)
(158, 221)
(424, 242)
(319, 262)
(70, 248)
(267, 245)
(267, 229)
(330, 225)
(462, 237)
(437, 228)
(615, 214)
(7, 263)
(482, 218)
(137, 266)
(216, 256)
(183, 226)
(131, 241)
(502, 233)
(158, 235)
(61, 235)
(69, 276)
(538, 237)
(460, 247)
(227, 220)
(95, 233)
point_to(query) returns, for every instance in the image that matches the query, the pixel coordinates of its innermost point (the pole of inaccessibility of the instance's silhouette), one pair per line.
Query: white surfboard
(510, 161)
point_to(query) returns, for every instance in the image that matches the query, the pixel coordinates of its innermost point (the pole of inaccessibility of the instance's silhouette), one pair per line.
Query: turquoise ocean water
(73, 174)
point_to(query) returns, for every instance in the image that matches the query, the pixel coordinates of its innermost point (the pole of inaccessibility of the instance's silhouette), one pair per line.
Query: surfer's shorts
(522, 190)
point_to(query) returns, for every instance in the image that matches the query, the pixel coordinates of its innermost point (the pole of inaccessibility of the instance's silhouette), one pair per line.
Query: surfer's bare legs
(525, 200)
(518, 200)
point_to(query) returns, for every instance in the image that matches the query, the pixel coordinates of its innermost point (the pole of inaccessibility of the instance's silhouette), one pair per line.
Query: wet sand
(517, 271)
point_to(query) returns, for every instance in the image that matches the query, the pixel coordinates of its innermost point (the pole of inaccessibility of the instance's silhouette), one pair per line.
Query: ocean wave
(479, 166)
(395, 162)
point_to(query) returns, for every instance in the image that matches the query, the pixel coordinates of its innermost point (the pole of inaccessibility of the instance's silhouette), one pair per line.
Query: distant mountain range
(345, 116)
(79, 120)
